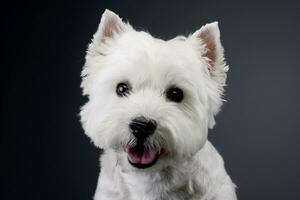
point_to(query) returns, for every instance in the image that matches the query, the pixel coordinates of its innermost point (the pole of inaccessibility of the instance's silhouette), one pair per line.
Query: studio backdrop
(44, 151)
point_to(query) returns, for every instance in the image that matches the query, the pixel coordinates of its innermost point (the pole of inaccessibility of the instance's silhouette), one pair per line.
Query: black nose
(141, 127)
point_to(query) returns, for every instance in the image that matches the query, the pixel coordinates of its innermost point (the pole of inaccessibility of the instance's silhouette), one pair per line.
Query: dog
(150, 105)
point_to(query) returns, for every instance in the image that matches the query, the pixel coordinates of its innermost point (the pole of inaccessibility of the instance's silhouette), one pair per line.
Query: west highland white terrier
(151, 103)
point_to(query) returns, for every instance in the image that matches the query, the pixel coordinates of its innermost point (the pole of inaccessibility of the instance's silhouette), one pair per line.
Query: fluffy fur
(189, 167)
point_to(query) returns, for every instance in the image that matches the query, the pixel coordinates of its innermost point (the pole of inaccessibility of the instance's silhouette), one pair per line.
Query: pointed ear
(111, 26)
(212, 51)
(210, 48)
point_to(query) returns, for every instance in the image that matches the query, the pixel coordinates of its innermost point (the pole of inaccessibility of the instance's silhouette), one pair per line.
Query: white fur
(190, 167)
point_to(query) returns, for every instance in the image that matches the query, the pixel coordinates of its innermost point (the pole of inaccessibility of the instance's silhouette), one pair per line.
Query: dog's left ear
(207, 40)
(212, 51)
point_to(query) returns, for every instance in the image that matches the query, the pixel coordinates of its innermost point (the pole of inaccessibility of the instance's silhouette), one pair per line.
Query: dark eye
(122, 89)
(175, 94)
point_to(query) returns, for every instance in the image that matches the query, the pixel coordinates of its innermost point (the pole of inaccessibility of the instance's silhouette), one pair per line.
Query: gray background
(44, 152)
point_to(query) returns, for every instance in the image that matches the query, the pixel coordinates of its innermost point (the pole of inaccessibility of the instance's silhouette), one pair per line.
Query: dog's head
(151, 100)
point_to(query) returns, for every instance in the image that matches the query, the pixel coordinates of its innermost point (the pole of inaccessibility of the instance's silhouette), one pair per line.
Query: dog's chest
(161, 186)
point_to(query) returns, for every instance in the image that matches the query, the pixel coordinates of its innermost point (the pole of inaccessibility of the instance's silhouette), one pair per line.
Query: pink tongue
(141, 156)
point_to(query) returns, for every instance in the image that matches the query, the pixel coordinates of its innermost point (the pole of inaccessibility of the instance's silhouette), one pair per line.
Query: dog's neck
(170, 180)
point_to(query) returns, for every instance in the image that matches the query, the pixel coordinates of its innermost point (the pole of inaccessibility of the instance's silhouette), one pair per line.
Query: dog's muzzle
(140, 156)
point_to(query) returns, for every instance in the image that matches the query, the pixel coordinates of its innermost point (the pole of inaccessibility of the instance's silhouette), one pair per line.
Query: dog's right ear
(109, 30)
(110, 27)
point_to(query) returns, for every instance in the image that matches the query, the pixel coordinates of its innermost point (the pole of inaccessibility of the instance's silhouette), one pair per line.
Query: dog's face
(150, 100)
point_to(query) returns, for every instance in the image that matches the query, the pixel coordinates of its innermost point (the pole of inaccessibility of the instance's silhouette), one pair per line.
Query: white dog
(151, 103)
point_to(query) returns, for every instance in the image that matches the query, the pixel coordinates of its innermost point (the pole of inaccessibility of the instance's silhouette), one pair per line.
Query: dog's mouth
(141, 157)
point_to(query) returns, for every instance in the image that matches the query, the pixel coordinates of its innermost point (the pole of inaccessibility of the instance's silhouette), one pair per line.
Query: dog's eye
(175, 94)
(122, 89)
